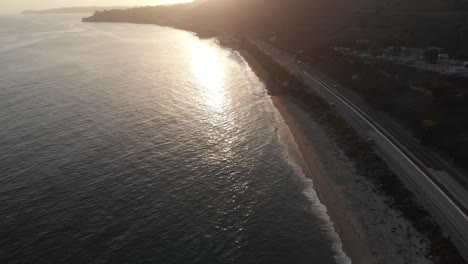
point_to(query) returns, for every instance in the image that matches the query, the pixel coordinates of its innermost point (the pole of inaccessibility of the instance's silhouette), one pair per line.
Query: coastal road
(437, 186)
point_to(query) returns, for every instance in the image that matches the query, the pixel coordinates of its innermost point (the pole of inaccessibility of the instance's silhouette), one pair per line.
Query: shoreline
(354, 244)
(363, 192)
(355, 247)
(369, 229)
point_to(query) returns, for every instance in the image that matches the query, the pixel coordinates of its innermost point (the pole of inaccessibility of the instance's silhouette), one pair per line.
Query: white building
(443, 56)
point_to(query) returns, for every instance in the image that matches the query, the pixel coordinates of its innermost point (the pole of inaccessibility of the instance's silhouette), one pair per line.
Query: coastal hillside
(73, 10)
(311, 24)
(307, 24)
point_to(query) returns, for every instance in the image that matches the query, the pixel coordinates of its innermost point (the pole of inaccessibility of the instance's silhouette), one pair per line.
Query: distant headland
(73, 10)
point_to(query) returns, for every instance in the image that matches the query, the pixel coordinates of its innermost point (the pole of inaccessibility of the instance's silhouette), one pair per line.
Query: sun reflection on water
(209, 71)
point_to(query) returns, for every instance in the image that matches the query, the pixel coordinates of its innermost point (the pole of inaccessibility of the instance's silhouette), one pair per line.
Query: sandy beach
(371, 231)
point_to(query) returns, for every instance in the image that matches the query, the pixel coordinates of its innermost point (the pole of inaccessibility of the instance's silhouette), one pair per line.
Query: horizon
(21, 5)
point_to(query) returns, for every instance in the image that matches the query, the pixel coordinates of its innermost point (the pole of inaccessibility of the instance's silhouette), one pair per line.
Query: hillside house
(443, 56)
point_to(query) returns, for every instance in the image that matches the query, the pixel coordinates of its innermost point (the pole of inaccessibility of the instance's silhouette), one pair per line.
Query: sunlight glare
(209, 71)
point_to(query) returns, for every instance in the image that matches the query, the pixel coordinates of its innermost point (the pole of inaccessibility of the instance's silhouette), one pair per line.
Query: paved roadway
(438, 187)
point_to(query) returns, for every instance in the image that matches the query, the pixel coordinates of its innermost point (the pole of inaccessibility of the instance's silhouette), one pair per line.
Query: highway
(438, 187)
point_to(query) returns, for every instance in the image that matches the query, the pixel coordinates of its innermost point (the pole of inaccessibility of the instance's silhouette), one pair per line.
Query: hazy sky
(16, 6)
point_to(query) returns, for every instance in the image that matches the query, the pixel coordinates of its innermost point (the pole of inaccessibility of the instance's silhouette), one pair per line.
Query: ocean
(123, 143)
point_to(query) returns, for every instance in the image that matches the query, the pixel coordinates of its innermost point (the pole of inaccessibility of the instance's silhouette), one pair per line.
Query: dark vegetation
(367, 162)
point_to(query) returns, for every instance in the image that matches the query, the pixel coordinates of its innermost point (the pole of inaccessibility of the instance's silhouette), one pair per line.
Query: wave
(294, 158)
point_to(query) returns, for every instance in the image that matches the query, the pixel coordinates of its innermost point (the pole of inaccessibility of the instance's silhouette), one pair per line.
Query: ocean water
(124, 143)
